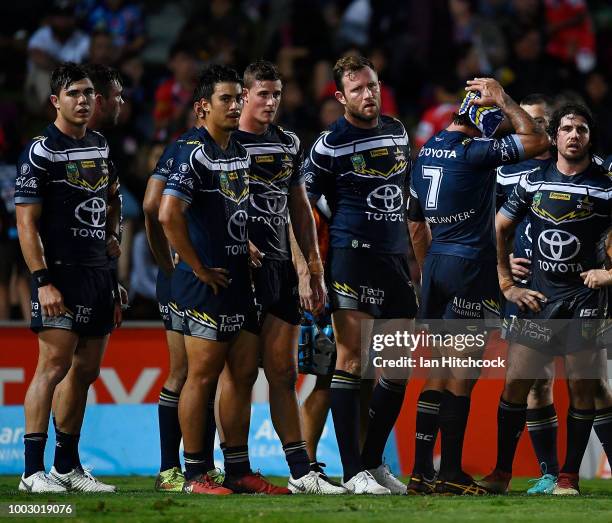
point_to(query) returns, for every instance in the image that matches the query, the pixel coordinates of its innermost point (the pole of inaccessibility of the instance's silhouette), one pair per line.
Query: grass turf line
(136, 501)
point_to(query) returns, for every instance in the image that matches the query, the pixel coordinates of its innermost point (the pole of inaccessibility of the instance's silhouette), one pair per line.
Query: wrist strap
(41, 277)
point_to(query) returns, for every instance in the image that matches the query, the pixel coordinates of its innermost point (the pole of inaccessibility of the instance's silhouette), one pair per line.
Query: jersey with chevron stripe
(276, 157)
(569, 216)
(364, 176)
(70, 178)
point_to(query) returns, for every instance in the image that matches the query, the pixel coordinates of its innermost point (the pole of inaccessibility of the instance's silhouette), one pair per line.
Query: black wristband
(42, 277)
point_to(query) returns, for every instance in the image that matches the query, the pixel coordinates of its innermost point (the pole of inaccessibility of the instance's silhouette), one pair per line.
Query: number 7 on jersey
(434, 175)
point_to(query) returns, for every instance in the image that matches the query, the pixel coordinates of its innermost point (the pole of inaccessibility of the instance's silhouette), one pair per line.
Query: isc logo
(588, 313)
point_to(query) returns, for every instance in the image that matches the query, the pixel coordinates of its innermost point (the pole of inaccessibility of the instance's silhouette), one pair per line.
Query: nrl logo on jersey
(228, 191)
(358, 162)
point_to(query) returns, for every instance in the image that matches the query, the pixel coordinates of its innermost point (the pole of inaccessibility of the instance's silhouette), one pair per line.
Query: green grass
(136, 501)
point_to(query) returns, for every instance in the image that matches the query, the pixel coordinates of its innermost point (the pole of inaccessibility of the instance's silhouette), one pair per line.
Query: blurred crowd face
(184, 67)
(361, 94)
(75, 102)
(63, 25)
(528, 46)
(597, 87)
(329, 112)
(262, 100)
(224, 107)
(101, 49)
(573, 138)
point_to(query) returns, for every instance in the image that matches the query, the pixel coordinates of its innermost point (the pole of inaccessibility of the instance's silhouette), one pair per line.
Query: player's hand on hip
(255, 255)
(319, 293)
(117, 315)
(113, 248)
(305, 292)
(51, 301)
(596, 278)
(215, 277)
(525, 298)
(491, 92)
(520, 267)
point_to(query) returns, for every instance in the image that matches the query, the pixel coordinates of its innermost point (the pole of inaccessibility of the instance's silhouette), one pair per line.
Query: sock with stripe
(65, 450)
(195, 464)
(579, 424)
(34, 454)
(454, 412)
(209, 433)
(169, 429)
(385, 406)
(603, 429)
(428, 407)
(542, 425)
(237, 460)
(510, 424)
(297, 459)
(344, 398)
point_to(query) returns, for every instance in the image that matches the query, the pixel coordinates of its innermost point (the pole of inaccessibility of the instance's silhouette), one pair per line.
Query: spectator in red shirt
(173, 97)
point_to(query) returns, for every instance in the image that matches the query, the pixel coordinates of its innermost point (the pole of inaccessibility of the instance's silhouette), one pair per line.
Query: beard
(363, 117)
(577, 158)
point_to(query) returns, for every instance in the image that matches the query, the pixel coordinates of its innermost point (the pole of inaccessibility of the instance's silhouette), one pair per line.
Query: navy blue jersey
(70, 178)
(214, 182)
(453, 187)
(276, 157)
(569, 216)
(364, 175)
(507, 177)
(190, 138)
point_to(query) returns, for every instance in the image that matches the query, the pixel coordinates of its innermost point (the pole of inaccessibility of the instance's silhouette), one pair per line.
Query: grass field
(136, 501)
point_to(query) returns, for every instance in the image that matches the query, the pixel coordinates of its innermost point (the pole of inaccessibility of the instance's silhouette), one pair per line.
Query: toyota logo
(237, 226)
(528, 231)
(271, 202)
(92, 212)
(386, 198)
(558, 245)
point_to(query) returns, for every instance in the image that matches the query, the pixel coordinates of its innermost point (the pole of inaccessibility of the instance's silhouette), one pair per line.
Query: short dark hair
(537, 99)
(65, 74)
(578, 110)
(463, 119)
(212, 75)
(260, 71)
(349, 64)
(102, 77)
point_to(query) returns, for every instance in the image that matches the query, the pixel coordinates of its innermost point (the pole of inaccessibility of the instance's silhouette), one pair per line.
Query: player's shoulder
(95, 139)
(391, 125)
(600, 173)
(287, 137)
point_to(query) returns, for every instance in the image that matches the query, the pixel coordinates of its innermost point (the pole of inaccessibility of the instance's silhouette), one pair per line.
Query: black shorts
(456, 288)
(210, 317)
(377, 284)
(88, 294)
(172, 322)
(276, 291)
(563, 326)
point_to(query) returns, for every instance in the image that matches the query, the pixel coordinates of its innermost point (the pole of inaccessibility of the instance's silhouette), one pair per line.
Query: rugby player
(203, 213)
(451, 224)
(66, 197)
(569, 210)
(170, 477)
(277, 194)
(542, 420)
(361, 166)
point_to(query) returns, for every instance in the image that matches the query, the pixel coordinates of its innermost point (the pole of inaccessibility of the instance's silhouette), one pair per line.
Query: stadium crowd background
(424, 52)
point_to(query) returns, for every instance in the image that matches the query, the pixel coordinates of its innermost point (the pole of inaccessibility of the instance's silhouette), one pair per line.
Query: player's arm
(420, 233)
(597, 278)
(113, 221)
(155, 232)
(172, 218)
(506, 221)
(50, 298)
(305, 234)
(534, 141)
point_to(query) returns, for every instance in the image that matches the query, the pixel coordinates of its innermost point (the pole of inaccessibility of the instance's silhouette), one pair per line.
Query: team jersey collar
(55, 132)
(342, 123)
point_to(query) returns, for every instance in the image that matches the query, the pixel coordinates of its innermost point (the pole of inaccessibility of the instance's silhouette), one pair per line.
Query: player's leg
(205, 361)
(313, 412)
(170, 477)
(69, 403)
(542, 426)
(523, 367)
(603, 416)
(234, 404)
(56, 347)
